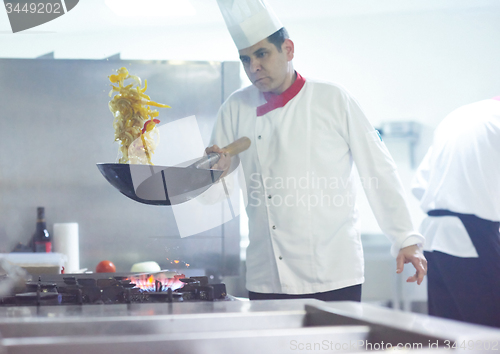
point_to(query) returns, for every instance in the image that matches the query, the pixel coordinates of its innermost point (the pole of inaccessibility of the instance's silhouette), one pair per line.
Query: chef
(458, 185)
(306, 135)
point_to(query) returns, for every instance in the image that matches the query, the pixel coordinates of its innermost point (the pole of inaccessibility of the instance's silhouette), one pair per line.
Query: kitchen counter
(273, 326)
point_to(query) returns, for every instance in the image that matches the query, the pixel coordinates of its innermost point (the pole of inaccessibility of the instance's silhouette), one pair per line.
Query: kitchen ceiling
(94, 31)
(95, 15)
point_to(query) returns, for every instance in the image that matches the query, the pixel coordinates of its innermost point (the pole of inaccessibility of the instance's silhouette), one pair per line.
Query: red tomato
(105, 267)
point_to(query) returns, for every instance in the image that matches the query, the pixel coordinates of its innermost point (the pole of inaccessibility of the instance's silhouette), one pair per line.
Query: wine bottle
(42, 242)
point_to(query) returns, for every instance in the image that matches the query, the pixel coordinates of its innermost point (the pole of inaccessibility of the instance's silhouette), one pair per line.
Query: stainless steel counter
(280, 326)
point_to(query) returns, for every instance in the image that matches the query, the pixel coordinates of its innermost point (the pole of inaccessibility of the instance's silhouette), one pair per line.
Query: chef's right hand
(224, 162)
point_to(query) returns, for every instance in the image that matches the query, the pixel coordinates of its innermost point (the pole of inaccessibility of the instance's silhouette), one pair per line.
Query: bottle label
(45, 247)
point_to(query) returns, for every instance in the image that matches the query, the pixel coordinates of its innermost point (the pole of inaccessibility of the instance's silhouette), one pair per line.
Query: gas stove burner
(111, 289)
(38, 298)
(41, 286)
(164, 296)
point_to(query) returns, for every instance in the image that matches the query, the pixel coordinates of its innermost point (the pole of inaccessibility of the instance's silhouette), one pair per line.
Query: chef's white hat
(249, 21)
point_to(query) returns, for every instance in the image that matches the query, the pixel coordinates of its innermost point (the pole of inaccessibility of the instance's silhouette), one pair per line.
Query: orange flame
(178, 262)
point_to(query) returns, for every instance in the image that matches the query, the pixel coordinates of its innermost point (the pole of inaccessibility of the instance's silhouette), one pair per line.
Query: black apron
(467, 289)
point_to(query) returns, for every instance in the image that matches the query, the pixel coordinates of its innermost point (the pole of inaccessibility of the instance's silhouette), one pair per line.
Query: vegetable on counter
(105, 267)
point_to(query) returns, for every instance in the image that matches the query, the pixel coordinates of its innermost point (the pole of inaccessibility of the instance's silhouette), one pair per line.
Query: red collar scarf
(277, 101)
(497, 98)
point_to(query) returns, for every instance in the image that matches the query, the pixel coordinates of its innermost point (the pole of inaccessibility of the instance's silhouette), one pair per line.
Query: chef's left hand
(414, 255)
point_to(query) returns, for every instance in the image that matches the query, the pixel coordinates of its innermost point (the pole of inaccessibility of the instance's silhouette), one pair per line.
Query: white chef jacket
(461, 173)
(298, 171)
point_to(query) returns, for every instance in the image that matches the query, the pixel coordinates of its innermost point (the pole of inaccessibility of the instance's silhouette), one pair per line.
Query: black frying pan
(163, 185)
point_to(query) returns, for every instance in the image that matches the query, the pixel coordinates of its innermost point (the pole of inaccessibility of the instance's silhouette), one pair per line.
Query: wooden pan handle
(237, 146)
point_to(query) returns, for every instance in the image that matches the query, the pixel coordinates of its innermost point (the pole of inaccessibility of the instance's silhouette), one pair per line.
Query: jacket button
(280, 258)
(269, 196)
(259, 137)
(274, 227)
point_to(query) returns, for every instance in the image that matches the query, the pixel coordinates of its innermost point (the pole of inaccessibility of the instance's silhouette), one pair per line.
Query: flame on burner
(147, 282)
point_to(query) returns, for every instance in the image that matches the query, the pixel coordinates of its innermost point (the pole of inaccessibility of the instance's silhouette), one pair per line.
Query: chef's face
(269, 69)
